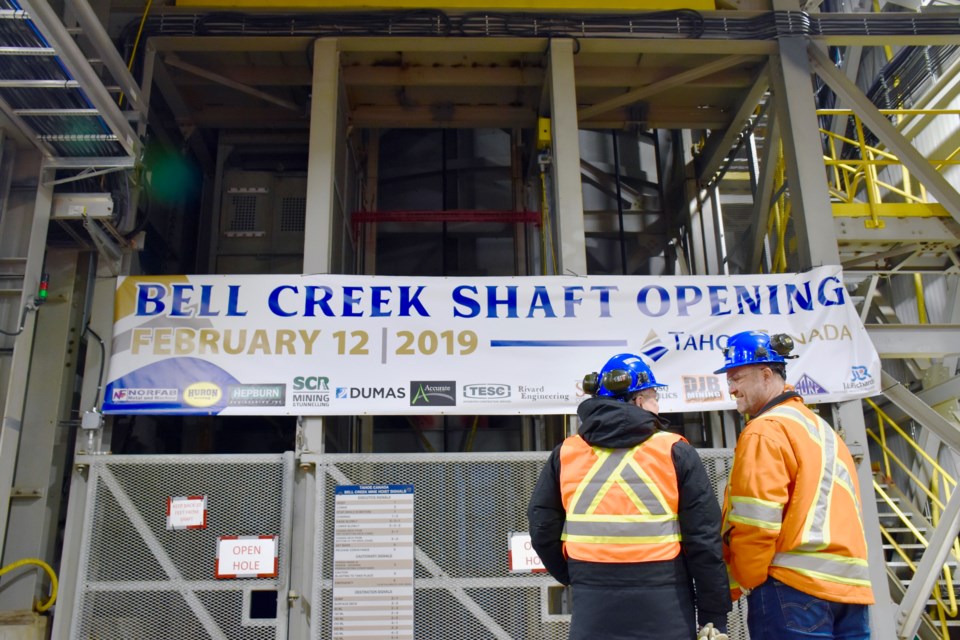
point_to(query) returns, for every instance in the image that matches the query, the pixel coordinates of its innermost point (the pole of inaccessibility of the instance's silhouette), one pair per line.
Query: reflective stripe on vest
(756, 512)
(826, 566)
(808, 558)
(655, 520)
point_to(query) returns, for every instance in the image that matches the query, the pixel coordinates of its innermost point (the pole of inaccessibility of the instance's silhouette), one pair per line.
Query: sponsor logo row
(316, 391)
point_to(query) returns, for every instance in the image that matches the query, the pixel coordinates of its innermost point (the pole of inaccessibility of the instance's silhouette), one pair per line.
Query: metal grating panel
(140, 580)
(293, 213)
(244, 213)
(465, 507)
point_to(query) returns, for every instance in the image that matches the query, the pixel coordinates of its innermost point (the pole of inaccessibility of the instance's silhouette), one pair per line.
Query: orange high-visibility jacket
(621, 504)
(792, 508)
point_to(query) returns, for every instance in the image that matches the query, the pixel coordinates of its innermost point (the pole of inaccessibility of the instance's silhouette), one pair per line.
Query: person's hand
(709, 632)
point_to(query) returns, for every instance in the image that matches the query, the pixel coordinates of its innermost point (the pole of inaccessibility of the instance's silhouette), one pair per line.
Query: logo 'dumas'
(202, 394)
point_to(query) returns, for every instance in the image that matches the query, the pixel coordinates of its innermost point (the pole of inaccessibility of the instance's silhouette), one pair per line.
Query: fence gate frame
(438, 578)
(125, 512)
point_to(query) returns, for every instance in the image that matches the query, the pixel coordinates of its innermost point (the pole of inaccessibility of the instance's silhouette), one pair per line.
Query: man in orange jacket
(624, 512)
(792, 522)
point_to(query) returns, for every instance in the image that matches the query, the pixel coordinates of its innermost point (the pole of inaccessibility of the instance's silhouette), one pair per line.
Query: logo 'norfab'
(434, 393)
(202, 394)
(144, 395)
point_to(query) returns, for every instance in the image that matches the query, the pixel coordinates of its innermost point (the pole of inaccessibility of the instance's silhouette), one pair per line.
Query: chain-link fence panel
(140, 580)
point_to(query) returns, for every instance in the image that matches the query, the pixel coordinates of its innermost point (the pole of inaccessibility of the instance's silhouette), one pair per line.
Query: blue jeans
(778, 612)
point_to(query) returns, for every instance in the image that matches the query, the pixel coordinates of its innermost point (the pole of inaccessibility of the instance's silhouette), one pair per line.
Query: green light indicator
(44, 284)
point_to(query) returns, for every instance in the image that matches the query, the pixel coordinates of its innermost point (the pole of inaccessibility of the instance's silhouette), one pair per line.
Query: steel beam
(641, 93)
(174, 61)
(896, 230)
(94, 31)
(915, 340)
(920, 411)
(946, 391)
(888, 134)
(720, 143)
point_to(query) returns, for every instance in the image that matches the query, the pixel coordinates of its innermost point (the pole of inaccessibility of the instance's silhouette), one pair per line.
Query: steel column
(850, 419)
(321, 167)
(565, 140)
(43, 442)
(763, 198)
(810, 201)
(16, 392)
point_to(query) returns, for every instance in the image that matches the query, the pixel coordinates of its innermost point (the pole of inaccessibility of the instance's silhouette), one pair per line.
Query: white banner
(348, 345)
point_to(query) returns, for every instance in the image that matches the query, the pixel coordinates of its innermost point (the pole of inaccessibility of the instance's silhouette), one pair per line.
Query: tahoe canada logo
(807, 386)
(653, 347)
(436, 393)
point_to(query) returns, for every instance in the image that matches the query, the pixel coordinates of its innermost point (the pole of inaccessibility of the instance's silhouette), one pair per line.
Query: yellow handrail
(853, 182)
(939, 479)
(933, 498)
(909, 440)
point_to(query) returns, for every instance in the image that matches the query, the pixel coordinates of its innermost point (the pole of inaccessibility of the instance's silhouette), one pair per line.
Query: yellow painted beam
(890, 210)
(540, 6)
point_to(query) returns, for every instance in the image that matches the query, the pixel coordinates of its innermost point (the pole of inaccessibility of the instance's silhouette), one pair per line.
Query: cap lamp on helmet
(622, 375)
(756, 347)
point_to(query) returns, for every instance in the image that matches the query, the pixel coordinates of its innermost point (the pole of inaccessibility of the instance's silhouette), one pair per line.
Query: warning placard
(187, 512)
(247, 557)
(522, 557)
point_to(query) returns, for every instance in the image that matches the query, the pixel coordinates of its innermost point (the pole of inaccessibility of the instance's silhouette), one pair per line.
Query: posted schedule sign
(373, 562)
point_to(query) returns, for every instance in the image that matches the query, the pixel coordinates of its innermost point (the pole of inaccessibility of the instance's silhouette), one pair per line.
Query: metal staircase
(51, 92)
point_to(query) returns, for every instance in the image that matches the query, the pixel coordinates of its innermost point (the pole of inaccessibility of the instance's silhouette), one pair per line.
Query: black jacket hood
(616, 425)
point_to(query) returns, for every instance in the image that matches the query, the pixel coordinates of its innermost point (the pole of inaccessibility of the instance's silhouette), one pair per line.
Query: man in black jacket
(625, 513)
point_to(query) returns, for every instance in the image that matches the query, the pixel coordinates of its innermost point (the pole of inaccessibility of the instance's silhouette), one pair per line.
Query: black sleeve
(546, 516)
(700, 519)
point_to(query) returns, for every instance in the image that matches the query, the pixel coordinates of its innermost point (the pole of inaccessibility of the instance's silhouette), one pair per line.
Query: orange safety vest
(811, 538)
(621, 504)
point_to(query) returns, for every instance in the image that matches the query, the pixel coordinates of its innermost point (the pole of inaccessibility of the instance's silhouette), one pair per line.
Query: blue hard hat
(755, 347)
(623, 374)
